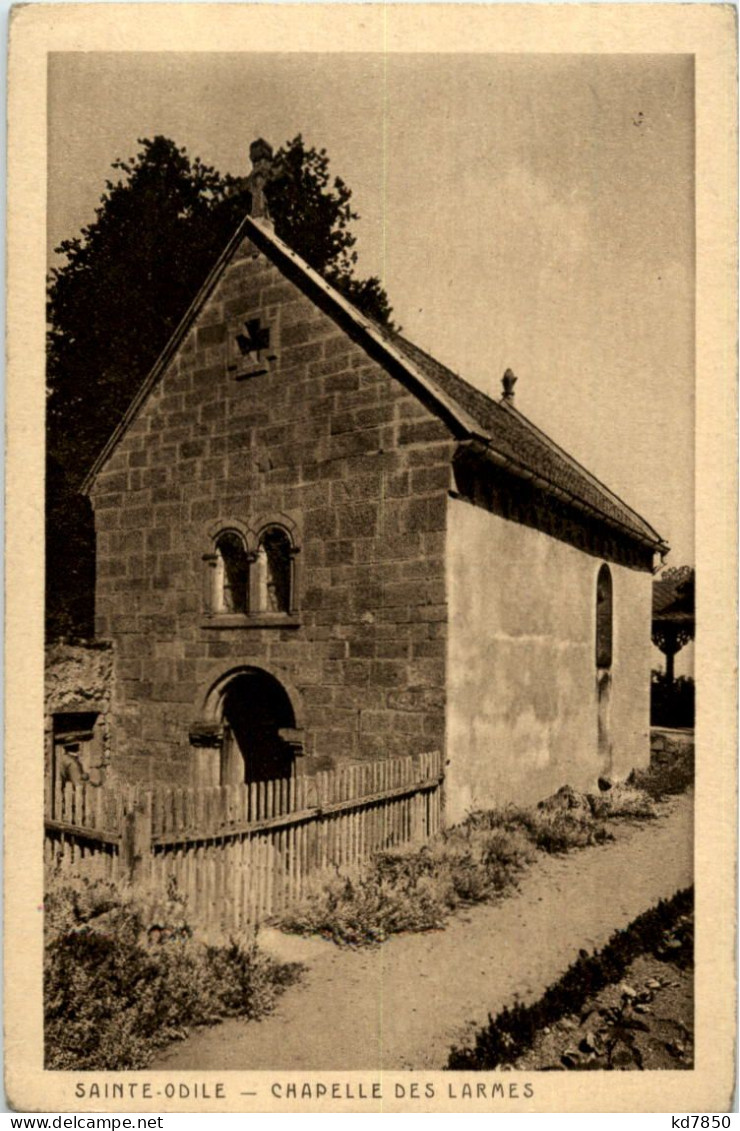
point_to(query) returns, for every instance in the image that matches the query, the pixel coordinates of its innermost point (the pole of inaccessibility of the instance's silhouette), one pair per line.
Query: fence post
(136, 842)
(417, 824)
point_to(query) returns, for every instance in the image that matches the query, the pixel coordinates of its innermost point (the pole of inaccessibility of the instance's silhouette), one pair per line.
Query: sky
(532, 212)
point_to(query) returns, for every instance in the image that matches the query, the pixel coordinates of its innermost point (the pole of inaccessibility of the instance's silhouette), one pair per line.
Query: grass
(125, 975)
(481, 859)
(665, 931)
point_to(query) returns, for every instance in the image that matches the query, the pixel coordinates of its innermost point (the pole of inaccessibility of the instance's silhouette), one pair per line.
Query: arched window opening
(232, 574)
(604, 619)
(275, 551)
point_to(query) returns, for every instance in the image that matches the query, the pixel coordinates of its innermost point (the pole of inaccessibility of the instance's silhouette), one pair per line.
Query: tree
(129, 278)
(314, 220)
(70, 557)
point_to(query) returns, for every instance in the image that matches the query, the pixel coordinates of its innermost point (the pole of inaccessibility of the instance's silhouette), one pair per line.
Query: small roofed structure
(674, 621)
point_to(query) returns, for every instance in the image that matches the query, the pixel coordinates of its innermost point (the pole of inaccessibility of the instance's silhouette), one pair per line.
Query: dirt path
(406, 1003)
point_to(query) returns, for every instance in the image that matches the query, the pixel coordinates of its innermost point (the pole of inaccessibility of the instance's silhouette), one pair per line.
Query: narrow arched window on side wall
(604, 618)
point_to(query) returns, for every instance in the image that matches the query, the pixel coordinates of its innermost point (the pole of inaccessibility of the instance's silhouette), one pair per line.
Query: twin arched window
(252, 573)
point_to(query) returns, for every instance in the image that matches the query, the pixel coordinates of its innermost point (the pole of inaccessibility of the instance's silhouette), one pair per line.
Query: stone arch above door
(249, 711)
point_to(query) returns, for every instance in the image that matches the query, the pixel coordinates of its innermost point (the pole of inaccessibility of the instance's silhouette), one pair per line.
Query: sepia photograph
(368, 436)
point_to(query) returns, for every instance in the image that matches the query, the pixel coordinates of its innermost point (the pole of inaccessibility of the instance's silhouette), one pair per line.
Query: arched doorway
(256, 712)
(248, 731)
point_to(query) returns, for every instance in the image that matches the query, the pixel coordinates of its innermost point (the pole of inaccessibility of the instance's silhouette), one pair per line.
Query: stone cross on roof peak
(260, 154)
(508, 381)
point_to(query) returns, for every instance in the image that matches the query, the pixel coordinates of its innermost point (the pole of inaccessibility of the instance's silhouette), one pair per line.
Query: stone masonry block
(320, 523)
(295, 356)
(426, 455)
(387, 673)
(210, 335)
(430, 479)
(422, 432)
(112, 482)
(137, 516)
(106, 502)
(328, 369)
(408, 724)
(376, 722)
(357, 519)
(337, 343)
(354, 443)
(340, 552)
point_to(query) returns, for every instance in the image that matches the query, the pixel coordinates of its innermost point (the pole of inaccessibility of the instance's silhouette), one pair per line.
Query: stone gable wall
(362, 469)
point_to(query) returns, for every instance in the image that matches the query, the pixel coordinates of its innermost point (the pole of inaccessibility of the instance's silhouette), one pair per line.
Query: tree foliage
(314, 217)
(683, 574)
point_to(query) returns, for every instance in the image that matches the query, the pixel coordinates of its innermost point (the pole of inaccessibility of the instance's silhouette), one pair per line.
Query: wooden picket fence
(243, 852)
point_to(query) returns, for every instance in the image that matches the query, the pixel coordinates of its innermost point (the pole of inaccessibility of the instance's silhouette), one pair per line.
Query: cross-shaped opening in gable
(255, 340)
(251, 350)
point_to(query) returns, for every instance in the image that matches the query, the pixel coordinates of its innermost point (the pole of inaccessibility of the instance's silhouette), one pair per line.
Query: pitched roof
(513, 436)
(501, 428)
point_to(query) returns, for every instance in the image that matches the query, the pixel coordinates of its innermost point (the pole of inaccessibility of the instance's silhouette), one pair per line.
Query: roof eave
(606, 491)
(485, 449)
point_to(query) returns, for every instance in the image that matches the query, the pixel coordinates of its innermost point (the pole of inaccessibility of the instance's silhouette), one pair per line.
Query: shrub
(413, 889)
(670, 772)
(124, 976)
(561, 823)
(354, 912)
(480, 859)
(558, 824)
(560, 830)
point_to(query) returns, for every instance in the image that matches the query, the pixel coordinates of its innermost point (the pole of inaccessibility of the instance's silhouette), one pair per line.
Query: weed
(554, 830)
(667, 775)
(414, 889)
(355, 913)
(614, 1042)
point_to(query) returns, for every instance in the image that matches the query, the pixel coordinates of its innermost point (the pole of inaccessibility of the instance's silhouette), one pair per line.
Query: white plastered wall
(522, 696)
